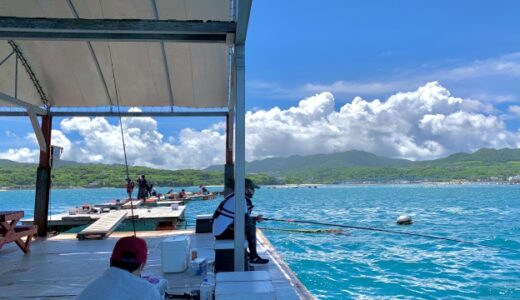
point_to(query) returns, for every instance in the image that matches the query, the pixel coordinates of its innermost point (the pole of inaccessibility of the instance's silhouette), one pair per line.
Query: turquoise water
(373, 265)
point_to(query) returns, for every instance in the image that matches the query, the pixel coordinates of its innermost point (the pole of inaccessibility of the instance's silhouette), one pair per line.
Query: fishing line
(122, 134)
(335, 231)
(390, 231)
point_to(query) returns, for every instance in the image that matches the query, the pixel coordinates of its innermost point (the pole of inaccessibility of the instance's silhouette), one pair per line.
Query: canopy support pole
(240, 159)
(43, 180)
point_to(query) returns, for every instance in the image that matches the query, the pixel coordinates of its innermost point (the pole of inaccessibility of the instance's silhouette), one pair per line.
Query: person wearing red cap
(122, 280)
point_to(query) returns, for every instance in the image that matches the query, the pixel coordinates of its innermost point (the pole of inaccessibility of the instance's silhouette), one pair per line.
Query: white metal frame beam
(14, 28)
(244, 9)
(32, 110)
(38, 131)
(123, 113)
(30, 107)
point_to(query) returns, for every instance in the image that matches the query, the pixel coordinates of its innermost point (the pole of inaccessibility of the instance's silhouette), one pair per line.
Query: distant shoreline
(302, 185)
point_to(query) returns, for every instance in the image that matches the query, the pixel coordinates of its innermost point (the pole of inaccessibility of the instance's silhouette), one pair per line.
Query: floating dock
(60, 267)
(164, 214)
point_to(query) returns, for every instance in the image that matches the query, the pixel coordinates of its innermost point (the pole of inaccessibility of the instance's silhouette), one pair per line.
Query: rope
(122, 135)
(391, 231)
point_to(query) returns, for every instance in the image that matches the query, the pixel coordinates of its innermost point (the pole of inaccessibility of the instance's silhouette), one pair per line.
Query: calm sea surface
(374, 265)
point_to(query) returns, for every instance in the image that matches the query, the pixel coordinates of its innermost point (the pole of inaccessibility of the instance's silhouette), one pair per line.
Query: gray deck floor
(61, 266)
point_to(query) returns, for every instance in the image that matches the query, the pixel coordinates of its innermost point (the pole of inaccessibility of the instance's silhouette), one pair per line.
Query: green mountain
(350, 166)
(72, 174)
(360, 166)
(348, 159)
(484, 155)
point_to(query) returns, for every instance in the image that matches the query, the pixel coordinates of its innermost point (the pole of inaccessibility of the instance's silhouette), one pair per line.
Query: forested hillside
(350, 166)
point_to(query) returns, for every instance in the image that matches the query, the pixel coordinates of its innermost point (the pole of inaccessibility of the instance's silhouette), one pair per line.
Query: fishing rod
(390, 231)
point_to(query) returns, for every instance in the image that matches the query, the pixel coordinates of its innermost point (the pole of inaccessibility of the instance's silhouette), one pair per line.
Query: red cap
(132, 245)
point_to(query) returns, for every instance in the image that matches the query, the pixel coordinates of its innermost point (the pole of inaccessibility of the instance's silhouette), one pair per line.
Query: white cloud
(425, 123)
(10, 134)
(515, 109)
(145, 145)
(21, 155)
(482, 79)
(508, 65)
(352, 87)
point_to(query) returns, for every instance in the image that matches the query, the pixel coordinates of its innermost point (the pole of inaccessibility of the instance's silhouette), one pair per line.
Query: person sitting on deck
(203, 190)
(224, 217)
(122, 280)
(152, 191)
(182, 194)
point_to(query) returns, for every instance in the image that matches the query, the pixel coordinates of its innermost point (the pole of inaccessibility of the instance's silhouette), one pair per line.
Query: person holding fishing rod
(224, 217)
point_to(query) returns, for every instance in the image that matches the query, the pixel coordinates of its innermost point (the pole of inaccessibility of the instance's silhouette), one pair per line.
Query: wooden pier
(104, 226)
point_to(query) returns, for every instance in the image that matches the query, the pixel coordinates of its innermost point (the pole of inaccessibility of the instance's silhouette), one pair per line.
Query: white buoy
(404, 220)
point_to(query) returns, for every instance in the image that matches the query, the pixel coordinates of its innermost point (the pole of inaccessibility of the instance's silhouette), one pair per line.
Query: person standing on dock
(142, 185)
(224, 217)
(129, 187)
(122, 280)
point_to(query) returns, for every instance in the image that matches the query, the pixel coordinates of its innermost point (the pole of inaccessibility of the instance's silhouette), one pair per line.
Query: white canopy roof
(154, 64)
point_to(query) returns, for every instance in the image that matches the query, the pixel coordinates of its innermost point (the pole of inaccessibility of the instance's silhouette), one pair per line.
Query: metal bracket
(38, 131)
(30, 107)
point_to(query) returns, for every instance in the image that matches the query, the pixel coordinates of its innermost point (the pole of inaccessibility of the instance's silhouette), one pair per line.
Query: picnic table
(9, 232)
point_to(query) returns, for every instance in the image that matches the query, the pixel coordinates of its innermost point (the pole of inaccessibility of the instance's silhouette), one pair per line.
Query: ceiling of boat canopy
(87, 73)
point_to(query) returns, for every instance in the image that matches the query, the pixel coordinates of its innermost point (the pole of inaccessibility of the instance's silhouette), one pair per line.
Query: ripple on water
(372, 265)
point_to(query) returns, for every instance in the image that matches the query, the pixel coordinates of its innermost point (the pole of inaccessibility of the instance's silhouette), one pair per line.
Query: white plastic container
(175, 252)
(199, 266)
(175, 206)
(207, 289)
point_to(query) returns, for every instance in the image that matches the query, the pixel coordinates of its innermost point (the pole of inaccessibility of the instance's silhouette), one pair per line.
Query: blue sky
(431, 78)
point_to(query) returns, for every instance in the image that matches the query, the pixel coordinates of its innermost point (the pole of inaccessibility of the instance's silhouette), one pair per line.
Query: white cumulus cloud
(144, 144)
(21, 155)
(425, 123)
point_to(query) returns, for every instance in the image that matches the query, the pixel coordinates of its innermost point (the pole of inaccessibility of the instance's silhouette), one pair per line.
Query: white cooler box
(175, 253)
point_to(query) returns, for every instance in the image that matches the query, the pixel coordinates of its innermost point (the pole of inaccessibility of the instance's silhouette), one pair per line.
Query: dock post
(43, 179)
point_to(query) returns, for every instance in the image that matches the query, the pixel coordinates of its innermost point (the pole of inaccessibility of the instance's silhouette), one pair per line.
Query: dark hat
(248, 183)
(251, 184)
(130, 249)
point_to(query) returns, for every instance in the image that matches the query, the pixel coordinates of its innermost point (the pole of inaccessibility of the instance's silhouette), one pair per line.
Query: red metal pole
(229, 167)
(43, 180)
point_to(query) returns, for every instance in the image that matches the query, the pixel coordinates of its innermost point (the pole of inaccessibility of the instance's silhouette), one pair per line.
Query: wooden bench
(9, 232)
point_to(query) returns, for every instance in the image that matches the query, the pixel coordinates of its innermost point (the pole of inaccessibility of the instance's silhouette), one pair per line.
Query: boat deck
(61, 266)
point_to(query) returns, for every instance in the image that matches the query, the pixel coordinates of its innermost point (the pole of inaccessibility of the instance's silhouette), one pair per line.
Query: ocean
(360, 264)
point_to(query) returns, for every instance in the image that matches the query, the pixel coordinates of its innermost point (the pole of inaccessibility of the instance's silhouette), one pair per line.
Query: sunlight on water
(365, 264)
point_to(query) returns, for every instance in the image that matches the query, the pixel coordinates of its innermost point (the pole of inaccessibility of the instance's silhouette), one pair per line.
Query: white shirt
(117, 283)
(222, 222)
